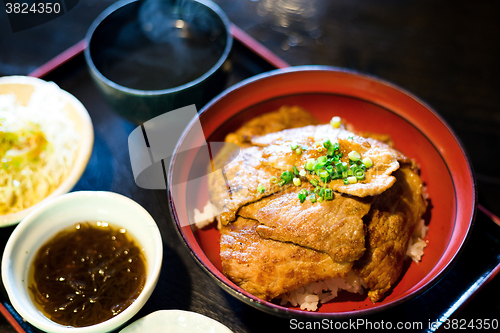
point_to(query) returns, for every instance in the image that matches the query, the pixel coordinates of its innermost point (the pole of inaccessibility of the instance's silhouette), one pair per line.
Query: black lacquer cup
(148, 57)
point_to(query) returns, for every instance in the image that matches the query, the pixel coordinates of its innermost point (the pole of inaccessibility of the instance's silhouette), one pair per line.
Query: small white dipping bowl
(47, 220)
(23, 87)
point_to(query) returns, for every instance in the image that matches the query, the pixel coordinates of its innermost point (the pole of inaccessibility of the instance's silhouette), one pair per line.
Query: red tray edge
(235, 31)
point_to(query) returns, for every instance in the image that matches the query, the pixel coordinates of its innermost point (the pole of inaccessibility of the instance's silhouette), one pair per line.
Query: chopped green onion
(335, 175)
(359, 174)
(261, 188)
(294, 146)
(282, 182)
(298, 151)
(317, 167)
(319, 149)
(312, 197)
(327, 144)
(352, 180)
(310, 164)
(302, 173)
(323, 174)
(295, 171)
(367, 162)
(328, 194)
(335, 122)
(296, 181)
(303, 195)
(322, 160)
(286, 176)
(273, 180)
(354, 156)
(330, 152)
(320, 199)
(314, 181)
(346, 182)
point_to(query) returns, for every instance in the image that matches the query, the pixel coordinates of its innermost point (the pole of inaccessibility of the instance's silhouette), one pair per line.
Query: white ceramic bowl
(44, 222)
(175, 321)
(23, 87)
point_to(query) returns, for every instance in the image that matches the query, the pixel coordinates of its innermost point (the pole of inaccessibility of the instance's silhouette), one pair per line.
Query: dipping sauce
(87, 274)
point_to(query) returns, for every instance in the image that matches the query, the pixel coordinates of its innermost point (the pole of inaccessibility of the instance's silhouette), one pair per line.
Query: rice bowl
(329, 91)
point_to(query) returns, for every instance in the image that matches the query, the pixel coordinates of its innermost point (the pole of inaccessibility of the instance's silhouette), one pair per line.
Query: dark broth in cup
(156, 45)
(87, 274)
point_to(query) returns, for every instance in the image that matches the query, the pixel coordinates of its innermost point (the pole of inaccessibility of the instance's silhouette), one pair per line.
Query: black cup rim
(119, 4)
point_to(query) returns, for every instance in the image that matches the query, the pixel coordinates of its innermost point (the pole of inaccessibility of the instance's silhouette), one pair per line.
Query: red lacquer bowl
(370, 104)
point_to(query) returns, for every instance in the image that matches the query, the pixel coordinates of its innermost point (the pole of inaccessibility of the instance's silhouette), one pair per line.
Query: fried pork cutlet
(237, 184)
(271, 155)
(333, 226)
(386, 160)
(267, 268)
(391, 221)
(272, 242)
(285, 117)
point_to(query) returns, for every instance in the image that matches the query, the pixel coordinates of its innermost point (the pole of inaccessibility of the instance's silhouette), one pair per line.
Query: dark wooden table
(445, 52)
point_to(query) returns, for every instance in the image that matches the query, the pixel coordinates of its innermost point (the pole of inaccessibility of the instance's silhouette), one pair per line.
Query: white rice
(310, 296)
(417, 244)
(207, 217)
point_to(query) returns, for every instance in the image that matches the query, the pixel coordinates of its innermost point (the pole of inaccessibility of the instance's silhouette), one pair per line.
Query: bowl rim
(133, 308)
(281, 311)
(159, 318)
(121, 3)
(84, 152)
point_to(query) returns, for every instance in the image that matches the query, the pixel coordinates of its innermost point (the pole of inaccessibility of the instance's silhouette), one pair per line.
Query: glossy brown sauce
(87, 274)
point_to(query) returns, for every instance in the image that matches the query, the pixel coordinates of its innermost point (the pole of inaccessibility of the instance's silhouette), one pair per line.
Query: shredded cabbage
(38, 144)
